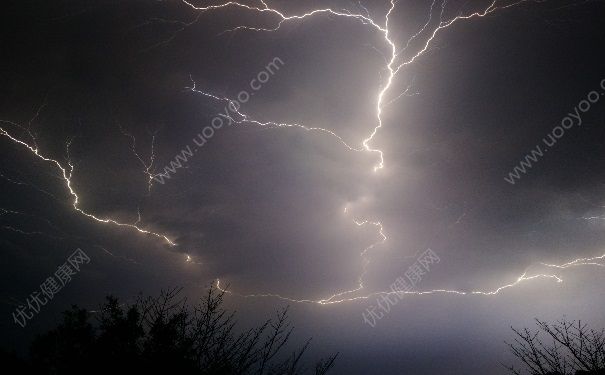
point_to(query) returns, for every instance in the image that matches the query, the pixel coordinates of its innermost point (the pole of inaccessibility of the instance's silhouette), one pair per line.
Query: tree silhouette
(167, 334)
(572, 348)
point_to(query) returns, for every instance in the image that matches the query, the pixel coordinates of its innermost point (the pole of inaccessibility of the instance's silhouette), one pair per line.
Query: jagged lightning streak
(365, 261)
(394, 65)
(337, 298)
(66, 174)
(247, 119)
(147, 165)
(594, 261)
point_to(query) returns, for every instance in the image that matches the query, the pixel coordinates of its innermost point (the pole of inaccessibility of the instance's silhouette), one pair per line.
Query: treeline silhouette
(560, 348)
(165, 334)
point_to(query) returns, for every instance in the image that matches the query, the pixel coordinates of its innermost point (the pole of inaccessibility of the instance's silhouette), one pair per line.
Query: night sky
(343, 160)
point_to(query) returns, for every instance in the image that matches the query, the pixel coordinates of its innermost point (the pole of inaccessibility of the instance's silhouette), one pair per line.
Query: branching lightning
(148, 165)
(396, 61)
(246, 119)
(66, 174)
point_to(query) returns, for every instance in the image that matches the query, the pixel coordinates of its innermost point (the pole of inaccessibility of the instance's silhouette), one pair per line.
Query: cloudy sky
(290, 156)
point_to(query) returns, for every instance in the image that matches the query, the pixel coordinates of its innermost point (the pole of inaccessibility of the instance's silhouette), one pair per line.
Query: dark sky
(262, 207)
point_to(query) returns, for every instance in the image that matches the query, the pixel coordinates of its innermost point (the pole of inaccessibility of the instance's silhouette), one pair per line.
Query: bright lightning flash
(397, 60)
(395, 63)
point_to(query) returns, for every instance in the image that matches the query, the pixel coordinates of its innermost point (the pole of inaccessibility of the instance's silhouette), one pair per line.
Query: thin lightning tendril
(147, 165)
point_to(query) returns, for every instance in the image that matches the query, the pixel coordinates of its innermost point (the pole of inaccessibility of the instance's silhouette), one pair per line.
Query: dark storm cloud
(262, 208)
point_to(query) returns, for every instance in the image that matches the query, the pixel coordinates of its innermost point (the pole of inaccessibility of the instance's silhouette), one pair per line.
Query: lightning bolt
(396, 62)
(594, 261)
(66, 174)
(247, 119)
(147, 165)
